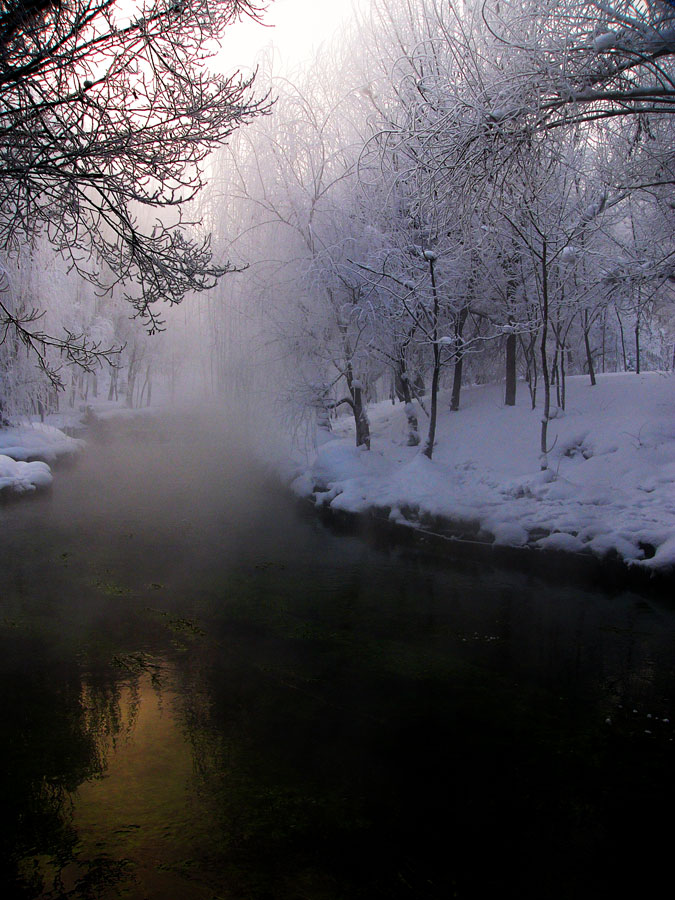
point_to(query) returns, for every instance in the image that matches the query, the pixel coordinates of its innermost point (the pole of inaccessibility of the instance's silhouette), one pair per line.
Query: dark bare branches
(108, 111)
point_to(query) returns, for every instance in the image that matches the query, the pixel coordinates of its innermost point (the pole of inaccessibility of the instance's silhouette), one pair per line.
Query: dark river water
(205, 693)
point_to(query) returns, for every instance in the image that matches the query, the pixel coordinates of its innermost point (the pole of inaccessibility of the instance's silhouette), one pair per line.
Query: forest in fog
(450, 193)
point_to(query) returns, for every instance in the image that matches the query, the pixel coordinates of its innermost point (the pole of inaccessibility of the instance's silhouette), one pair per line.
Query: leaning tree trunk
(623, 340)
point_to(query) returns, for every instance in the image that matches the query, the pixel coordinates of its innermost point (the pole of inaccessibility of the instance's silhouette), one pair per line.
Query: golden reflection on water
(141, 818)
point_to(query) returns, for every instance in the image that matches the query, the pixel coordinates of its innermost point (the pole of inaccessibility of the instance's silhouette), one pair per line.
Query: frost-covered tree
(294, 184)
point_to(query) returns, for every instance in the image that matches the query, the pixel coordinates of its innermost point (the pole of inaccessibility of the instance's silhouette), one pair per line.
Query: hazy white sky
(297, 27)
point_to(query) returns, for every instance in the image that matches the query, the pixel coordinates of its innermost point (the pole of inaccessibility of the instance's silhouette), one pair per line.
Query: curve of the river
(206, 694)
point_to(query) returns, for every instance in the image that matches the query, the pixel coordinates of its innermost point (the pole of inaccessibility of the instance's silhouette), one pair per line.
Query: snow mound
(37, 441)
(23, 477)
(26, 450)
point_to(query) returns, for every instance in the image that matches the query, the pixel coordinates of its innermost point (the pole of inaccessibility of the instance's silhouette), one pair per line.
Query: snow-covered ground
(29, 448)
(26, 450)
(610, 485)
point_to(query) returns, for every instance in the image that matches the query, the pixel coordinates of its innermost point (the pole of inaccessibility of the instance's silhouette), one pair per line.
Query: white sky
(298, 26)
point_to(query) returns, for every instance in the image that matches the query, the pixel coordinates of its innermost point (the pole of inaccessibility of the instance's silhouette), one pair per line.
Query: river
(206, 693)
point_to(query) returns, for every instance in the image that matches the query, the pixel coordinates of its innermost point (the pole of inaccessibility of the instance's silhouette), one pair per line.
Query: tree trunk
(413, 425)
(623, 340)
(510, 396)
(587, 345)
(459, 360)
(544, 362)
(431, 435)
(531, 373)
(361, 420)
(456, 383)
(112, 388)
(131, 380)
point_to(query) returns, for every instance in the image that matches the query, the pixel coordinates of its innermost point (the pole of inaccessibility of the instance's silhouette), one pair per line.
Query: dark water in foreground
(204, 694)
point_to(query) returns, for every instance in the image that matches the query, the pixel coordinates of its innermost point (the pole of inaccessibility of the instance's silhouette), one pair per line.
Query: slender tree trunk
(555, 376)
(637, 344)
(131, 380)
(544, 361)
(413, 425)
(623, 340)
(147, 386)
(587, 345)
(433, 411)
(456, 383)
(531, 372)
(510, 395)
(459, 360)
(112, 387)
(511, 338)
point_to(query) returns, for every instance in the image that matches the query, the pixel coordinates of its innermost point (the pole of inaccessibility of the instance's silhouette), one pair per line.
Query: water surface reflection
(204, 694)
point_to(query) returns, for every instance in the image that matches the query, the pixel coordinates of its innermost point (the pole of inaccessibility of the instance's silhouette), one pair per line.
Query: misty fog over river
(206, 693)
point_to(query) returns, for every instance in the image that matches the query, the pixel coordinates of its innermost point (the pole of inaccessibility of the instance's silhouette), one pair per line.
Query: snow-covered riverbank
(610, 488)
(26, 452)
(29, 449)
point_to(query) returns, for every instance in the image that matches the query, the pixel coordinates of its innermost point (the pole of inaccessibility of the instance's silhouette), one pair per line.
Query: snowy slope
(610, 484)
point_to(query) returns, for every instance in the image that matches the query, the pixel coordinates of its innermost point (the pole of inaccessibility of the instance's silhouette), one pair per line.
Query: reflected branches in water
(61, 728)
